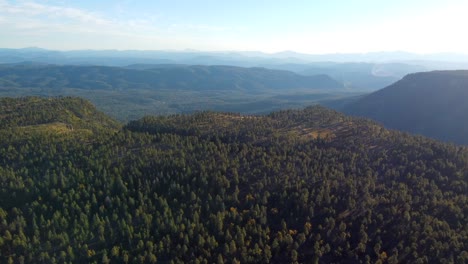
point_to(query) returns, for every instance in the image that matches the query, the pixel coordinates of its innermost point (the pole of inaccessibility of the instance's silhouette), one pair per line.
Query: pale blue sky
(332, 26)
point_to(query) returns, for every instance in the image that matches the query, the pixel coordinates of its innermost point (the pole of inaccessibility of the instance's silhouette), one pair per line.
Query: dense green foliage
(308, 186)
(433, 104)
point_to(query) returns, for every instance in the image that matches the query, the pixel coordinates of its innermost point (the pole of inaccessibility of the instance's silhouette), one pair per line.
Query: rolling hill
(137, 90)
(35, 111)
(192, 78)
(434, 104)
(67, 115)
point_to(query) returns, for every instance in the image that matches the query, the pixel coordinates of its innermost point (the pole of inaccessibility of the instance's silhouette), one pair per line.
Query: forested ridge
(295, 186)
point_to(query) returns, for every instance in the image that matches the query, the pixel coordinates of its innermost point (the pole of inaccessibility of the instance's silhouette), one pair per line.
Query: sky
(307, 26)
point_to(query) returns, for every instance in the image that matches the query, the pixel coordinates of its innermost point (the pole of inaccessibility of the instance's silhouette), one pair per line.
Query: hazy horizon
(188, 50)
(332, 27)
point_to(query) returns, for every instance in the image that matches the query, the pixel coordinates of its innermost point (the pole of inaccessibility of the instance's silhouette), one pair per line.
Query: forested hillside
(295, 186)
(434, 104)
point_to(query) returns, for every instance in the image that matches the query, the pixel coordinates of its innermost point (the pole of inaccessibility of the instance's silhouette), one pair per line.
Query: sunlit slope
(54, 115)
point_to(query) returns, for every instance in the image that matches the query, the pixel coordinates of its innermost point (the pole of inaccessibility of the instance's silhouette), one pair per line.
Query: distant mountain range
(433, 104)
(358, 72)
(240, 56)
(194, 78)
(130, 92)
(357, 75)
